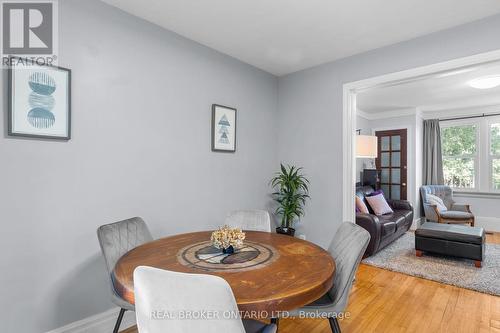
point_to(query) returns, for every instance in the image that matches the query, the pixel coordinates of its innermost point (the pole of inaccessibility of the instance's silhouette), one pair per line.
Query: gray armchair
(115, 240)
(455, 213)
(347, 248)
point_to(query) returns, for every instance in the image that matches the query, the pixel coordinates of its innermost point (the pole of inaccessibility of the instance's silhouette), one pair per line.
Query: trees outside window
(494, 153)
(471, 154)
(459, 149)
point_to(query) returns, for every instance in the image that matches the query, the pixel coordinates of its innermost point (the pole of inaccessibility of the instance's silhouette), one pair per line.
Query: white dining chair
(175, 302)
(254, 219)
(115, 240)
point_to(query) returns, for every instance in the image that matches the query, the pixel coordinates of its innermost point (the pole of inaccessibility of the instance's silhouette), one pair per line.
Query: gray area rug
(400, 257)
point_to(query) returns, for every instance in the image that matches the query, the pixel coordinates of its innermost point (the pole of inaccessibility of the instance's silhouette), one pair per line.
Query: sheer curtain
(432, 158)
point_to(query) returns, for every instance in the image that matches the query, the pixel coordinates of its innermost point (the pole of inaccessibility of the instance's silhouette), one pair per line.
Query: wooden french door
(391, 163)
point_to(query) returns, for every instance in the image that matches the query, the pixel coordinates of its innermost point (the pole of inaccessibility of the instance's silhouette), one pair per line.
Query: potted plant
(291, 193)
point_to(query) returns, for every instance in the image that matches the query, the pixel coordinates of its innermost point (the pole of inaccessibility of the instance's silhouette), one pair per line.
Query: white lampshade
(366, 146)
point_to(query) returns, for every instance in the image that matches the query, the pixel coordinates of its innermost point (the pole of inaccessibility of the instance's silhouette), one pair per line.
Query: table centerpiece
(227, 239)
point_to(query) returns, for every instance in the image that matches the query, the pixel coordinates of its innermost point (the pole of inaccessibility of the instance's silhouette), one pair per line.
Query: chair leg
(334, 325)
(119, 320)
(276, 321)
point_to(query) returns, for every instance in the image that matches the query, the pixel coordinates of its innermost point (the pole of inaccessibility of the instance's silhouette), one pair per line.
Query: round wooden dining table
(270, 272)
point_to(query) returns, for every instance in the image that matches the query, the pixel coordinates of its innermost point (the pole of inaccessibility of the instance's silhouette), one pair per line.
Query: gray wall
(362, 124)
(141, 146)
(310, 110)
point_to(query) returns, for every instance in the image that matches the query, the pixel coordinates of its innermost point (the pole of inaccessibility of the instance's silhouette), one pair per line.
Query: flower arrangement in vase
(227, 239)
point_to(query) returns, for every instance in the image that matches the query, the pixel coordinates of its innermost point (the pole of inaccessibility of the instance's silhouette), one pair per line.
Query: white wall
(141, 146)
(486, 209)
(419, 162)
(310, 110)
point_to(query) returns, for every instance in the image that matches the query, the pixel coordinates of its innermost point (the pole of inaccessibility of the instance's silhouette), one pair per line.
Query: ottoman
(451, 239)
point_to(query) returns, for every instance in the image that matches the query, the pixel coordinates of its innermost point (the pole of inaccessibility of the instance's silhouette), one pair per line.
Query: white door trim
(349, 113)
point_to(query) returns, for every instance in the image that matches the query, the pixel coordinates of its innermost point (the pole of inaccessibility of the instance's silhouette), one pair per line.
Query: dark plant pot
(228, 250)
(285, 231)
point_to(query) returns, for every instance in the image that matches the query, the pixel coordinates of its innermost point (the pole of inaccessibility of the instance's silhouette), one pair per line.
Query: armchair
(454, 213)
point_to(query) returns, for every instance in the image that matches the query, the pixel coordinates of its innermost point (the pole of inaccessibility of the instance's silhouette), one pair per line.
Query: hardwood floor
(384, 301)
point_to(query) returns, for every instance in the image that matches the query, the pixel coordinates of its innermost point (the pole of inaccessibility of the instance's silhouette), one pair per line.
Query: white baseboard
(100, 323)
(488, 223)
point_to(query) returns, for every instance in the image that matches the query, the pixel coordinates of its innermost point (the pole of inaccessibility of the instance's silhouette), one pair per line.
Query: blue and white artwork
(40, 101)
(223, 128)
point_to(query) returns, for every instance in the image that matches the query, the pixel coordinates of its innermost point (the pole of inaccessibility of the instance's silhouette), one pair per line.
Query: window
(460, 155)
(471, 154)
(494, 156)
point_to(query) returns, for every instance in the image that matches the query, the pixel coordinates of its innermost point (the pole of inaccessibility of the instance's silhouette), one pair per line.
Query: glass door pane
(385, 176)
(396, 176)
(385, 144)
(385, 159)
(395, 159)
(396, 142)
(395, 192)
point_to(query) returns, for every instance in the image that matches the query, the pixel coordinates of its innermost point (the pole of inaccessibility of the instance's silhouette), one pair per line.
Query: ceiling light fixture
(486, 82)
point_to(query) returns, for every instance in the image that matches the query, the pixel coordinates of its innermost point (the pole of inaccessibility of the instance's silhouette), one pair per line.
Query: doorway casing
(351, 89)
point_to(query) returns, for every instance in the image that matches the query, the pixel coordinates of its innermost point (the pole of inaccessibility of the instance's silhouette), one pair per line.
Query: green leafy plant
(291, 191)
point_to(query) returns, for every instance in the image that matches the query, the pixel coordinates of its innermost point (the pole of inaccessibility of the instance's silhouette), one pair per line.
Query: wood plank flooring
(384, 301)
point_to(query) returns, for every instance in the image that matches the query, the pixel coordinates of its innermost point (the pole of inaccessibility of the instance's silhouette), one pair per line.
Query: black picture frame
(214, 128)
(10, 92)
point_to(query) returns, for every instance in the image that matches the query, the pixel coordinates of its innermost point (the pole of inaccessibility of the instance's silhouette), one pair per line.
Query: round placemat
(206, 257)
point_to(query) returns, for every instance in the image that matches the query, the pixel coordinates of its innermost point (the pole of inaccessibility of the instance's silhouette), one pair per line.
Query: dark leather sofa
(386, 228)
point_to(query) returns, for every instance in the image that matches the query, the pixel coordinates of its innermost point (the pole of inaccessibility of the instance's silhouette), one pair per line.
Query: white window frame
(475, 157)
(490, 121)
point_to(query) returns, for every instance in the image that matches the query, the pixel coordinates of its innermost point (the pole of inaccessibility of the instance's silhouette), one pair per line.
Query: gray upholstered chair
(115, 240)
(164, 298)
(256, 220)
(347, 249)
(454, 213)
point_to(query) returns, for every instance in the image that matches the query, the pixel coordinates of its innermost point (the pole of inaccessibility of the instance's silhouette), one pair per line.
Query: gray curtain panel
(433, 160)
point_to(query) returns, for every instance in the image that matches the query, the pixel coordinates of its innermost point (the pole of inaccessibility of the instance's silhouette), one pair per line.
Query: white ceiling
(446, 91)
(284, 36)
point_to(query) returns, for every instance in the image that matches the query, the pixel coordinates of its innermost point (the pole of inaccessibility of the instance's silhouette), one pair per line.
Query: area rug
(400, 257)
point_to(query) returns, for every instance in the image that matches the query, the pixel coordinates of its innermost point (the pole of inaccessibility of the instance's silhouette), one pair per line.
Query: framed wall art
(223, 128)
(39, 101)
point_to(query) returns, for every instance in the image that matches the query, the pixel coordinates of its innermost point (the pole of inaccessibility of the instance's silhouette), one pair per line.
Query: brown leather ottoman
(451, 239)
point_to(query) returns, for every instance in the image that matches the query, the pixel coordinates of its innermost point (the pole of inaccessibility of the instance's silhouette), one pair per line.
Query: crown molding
(459, 112)
(387, 114)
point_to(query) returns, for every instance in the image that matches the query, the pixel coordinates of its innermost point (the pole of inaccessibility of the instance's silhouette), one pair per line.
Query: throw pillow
(379, 204)
(360, 205)
(435, 200)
